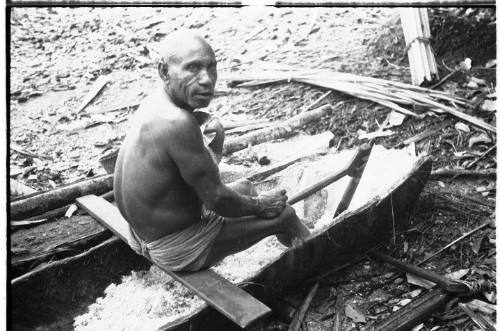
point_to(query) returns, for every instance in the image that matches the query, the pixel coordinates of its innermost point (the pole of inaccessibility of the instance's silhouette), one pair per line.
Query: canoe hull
(66, 287)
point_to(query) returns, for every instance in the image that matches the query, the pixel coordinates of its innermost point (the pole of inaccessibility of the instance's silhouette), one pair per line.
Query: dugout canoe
(50, 298)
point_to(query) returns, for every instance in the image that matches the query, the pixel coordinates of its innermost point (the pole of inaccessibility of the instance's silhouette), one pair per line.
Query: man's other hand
(271, 203)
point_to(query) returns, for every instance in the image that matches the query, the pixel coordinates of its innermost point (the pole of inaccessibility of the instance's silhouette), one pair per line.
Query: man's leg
(239, 234)
(244, 186)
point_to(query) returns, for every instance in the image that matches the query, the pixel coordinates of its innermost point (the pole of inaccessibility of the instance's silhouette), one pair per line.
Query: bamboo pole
(411, 58)
(427, 31)
(415, 24)
(421, 45)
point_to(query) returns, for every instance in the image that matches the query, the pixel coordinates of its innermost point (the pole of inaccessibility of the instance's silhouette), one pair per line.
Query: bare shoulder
(164, 121)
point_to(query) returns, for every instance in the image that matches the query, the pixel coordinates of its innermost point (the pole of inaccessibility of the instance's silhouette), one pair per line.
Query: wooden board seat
(218, 292)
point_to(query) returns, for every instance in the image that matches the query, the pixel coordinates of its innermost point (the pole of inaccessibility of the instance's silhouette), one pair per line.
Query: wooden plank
(227, 298)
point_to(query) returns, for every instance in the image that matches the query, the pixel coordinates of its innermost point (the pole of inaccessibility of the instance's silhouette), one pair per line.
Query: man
(167, 185)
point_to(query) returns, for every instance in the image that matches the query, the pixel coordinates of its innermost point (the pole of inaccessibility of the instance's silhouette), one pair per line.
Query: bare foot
(295, 231)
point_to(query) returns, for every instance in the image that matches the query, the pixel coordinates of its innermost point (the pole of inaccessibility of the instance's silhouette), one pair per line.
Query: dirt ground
(56, 54)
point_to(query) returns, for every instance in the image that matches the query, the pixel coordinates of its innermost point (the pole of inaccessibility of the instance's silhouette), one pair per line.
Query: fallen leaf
(491, 63)
(314, 30)
(489, 105)
(476, 246)
(490, 296)
(418, 327)
(466, 64)
(479, 138)
(353, 313)
(478, 81)
(414, 293)
(472, 85)
(15, 171)
(404, 302)
(462, 127)
(394, 119)
(71, 210)
(459, 274)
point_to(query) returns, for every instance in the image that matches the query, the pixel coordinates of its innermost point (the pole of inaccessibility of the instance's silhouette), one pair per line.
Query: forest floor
(57, 54)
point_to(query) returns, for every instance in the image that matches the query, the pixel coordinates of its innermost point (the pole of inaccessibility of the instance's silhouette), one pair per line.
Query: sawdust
(144, 300)
(149, 299)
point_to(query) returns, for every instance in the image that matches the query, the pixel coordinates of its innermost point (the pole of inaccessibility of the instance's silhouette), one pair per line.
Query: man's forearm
(230, 203)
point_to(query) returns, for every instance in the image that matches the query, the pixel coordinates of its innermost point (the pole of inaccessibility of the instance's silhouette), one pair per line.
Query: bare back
(150, 190)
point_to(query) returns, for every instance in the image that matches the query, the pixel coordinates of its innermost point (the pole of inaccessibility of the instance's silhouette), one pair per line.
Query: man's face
(192, 75)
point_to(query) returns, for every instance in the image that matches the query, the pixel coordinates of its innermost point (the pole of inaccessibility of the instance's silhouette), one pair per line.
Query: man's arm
(184, 145)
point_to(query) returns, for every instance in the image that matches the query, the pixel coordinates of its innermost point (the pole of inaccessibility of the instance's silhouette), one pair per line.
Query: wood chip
(354, 313)
(71, 210)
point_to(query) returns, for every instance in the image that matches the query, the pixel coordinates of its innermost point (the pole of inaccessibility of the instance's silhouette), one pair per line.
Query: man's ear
(163, 71)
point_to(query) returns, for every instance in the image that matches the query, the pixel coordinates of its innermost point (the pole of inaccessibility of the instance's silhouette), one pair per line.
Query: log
(440, 173)
(449, 285)
(247, 128)
(282, 130)
(50, 215)
(45, 201)
(416, 312)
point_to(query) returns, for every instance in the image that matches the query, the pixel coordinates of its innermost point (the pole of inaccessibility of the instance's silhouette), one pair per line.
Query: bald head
(181, 43)
(188, 69)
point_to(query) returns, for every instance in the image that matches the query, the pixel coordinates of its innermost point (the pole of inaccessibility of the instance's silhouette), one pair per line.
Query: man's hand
(271, 203)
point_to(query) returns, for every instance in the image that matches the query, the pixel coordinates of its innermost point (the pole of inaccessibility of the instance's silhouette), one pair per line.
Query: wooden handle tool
(357, 161)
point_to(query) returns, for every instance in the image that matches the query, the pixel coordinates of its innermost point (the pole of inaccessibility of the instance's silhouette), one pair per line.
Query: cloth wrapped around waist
(185, 250)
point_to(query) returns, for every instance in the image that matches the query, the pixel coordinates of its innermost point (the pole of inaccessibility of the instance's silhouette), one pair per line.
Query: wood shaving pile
(150, 299)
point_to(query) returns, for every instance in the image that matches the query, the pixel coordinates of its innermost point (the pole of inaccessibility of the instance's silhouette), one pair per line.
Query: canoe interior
(51, 297)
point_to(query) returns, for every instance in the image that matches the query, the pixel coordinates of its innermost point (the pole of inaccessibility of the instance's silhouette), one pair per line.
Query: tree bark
(282, 130)
(45, 201)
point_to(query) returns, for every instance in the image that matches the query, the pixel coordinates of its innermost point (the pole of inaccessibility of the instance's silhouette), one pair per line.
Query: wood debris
(390, 94)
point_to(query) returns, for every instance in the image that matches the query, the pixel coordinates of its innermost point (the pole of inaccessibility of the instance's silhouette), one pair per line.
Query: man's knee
(244, 186)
